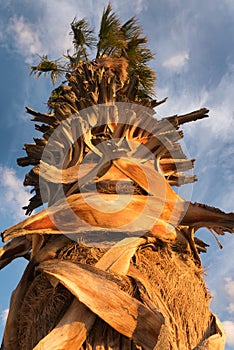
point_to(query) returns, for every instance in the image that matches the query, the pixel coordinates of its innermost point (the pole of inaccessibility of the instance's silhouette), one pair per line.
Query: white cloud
(229, 330)
(140, 5)
(25, 36)
(55, 24)
(4, 315)
(56, 39)
(13, 196)
(180, 103)
(176, 62)
(49, 33)
(229, 289)
(218, 99)
(230, 4)
(230, 308)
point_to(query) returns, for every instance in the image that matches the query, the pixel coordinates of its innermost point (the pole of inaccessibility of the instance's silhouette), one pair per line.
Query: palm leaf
(83, 38)
(146, 78)
(138, 56)
(111, 37)
(45, 66)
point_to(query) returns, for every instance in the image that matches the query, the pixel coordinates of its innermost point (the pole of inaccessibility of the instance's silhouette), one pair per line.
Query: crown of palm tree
(115, 40)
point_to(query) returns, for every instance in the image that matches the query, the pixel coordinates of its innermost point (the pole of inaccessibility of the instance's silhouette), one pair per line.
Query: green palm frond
(111, 37)
(115, 40)
(132, 29)
(45, 66)
(138, 56)
(56, 93)
(83, 38)
(146, 78)
(136, 43)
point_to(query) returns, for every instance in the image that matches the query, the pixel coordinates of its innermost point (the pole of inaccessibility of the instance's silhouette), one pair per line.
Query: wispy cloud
(56, 39)
(141, 5)
(25, 36)
(229, 289)
(176, 62)
(229, 330)
(211, 132)
(4, 315)
(230, 4)
(12, 194)
(46, 30)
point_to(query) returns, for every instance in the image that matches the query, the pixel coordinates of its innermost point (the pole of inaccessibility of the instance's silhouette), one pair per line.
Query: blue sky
(194, 61)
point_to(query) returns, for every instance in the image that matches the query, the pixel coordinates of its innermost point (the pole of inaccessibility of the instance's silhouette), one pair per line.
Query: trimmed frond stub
(133, 130)
(115, 146)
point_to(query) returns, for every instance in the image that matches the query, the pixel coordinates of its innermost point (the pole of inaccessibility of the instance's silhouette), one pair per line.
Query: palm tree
(124, 273)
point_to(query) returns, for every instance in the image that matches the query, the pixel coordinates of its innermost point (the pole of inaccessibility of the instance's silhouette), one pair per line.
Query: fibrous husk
(42, 307)
(175, 286)
(163, 280)
(73, 329)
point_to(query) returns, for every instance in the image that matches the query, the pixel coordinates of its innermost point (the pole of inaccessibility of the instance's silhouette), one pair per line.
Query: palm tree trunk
(143, 288)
